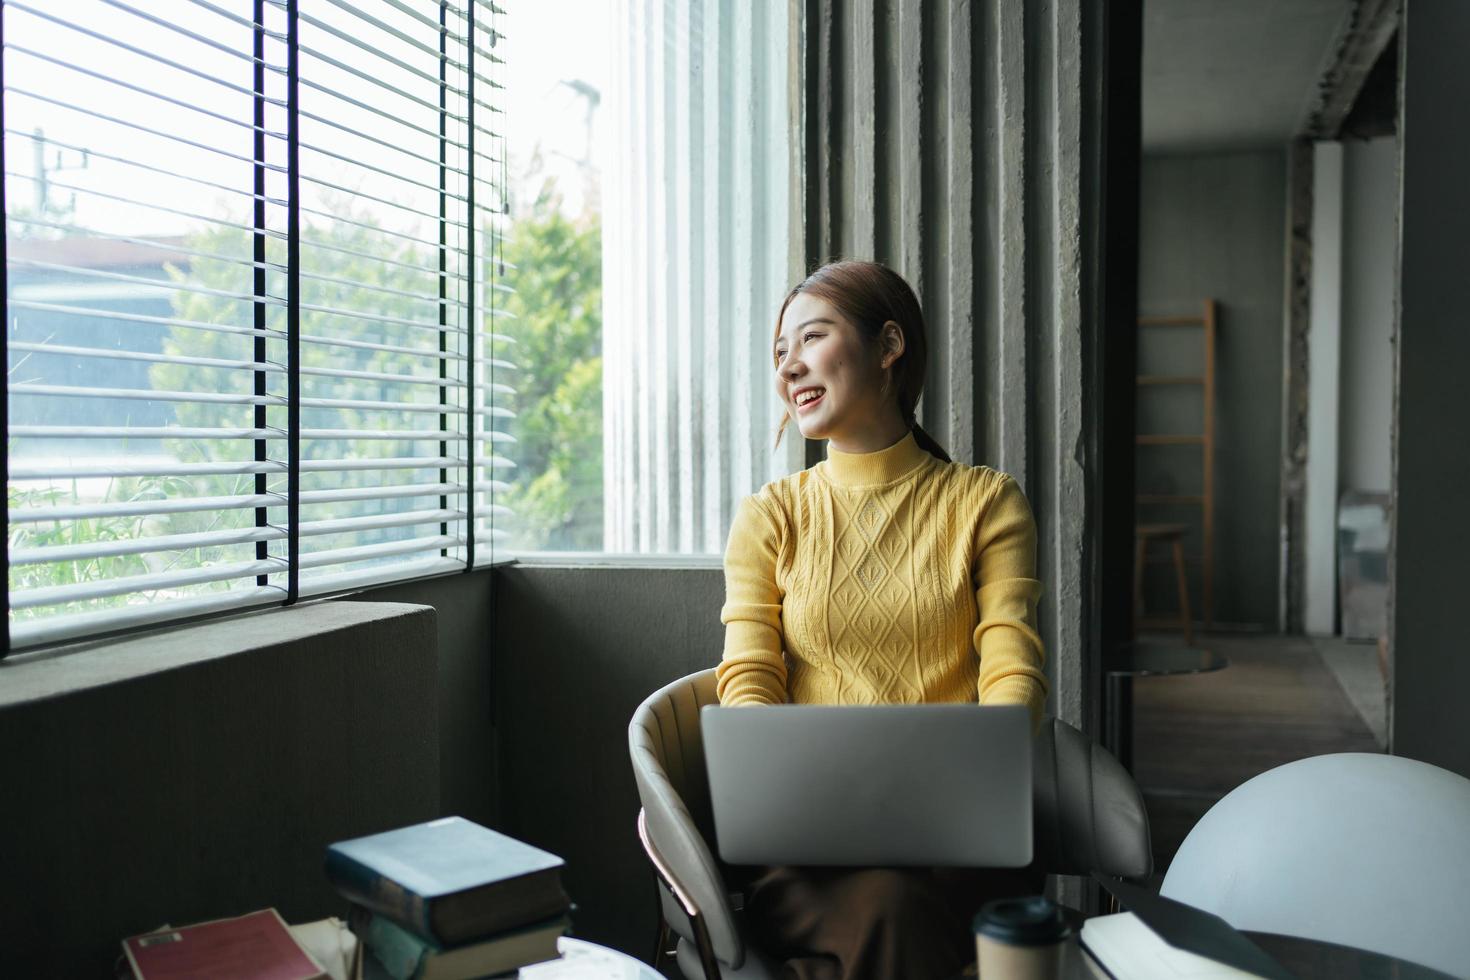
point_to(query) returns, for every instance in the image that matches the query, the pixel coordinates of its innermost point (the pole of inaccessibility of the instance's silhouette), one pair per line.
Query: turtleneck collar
(874, 469)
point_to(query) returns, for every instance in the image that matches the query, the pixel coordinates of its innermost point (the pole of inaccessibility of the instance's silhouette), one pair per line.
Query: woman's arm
(1006, 591)
(753, 670)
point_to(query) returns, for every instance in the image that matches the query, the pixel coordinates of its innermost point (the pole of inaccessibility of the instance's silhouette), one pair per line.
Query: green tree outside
(553, 263)
(557, 496)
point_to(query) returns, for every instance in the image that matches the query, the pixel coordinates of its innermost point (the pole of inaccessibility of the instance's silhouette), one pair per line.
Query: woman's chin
(811, 430)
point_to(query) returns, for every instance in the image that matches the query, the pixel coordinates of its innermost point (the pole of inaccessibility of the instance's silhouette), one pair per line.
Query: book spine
(400, 952)
(384, 896)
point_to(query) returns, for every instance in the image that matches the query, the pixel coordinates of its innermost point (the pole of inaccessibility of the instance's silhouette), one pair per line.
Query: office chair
(1362, 850)
(1088, 815)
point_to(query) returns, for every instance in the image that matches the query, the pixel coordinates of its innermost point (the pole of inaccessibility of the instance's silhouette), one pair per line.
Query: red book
(250, 947)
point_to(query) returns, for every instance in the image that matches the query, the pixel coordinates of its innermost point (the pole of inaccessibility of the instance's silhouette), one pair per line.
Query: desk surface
(581, 960)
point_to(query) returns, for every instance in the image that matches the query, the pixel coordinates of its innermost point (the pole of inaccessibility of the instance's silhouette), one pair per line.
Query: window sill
(28, 677)
(596, 559)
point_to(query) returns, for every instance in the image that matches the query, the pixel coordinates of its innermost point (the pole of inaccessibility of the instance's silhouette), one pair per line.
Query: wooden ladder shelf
(1205, 499)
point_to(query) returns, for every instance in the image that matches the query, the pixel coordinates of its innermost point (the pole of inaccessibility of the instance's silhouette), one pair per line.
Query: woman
(885, 574)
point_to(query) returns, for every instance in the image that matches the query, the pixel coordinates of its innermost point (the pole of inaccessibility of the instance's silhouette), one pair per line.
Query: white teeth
(807, 396)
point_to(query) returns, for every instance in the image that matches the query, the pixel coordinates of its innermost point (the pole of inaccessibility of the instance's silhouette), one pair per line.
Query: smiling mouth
(807, 399)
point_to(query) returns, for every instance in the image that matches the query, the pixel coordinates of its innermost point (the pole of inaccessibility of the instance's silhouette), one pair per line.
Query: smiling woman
(885, 574)
(850, 349)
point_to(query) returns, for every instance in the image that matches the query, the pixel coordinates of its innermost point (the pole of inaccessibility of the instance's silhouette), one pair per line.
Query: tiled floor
(1197, 737)
(1355, 665)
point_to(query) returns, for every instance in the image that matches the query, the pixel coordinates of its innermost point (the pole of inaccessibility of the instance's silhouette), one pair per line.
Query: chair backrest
(1087, 812)
(1362, 850)
(667, 750)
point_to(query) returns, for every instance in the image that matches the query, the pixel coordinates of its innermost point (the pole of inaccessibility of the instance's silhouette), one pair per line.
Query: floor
(1355, 665)
(1197, 737)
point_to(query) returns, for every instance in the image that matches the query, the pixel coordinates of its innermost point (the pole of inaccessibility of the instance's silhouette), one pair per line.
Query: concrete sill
(98, 663)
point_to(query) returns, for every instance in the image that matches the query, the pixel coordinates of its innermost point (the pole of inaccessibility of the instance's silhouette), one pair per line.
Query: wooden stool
(1174, 534)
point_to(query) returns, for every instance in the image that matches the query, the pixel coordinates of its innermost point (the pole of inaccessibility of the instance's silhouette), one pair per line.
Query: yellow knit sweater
(877, 578)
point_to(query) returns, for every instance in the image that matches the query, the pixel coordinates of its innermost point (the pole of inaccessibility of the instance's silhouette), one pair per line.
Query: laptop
(933, 785)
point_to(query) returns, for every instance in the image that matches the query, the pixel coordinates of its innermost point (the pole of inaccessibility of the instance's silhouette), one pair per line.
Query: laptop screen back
(884, 786)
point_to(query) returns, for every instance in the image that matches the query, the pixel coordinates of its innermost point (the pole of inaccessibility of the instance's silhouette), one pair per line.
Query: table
(583, 960)
(1144, 659)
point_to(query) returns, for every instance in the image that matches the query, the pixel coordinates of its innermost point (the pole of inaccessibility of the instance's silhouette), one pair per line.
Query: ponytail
(928, 444)
(924, 440)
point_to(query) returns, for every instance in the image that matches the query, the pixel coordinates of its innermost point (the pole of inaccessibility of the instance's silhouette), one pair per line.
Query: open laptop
(941, 785)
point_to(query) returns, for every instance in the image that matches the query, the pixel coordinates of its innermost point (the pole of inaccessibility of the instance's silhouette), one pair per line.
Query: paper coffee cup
(1021, 939)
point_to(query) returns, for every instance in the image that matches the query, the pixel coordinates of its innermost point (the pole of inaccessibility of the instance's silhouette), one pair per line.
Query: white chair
(1367, 851)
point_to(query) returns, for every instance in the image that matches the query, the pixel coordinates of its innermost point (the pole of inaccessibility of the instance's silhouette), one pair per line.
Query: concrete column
(1323, 344)
(946, 139)
(1431, 528)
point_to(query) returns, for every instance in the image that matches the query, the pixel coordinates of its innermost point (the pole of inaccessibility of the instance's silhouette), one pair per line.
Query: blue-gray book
(449, 880)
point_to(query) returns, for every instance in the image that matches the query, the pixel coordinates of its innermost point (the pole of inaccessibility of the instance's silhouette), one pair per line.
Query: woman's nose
(792, 369)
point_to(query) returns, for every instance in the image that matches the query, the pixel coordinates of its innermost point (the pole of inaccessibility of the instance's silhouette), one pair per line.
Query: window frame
(482, 282)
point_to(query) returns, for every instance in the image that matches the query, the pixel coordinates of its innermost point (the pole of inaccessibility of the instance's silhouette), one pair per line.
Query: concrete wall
(1431, 672)
(1369, 262)
(468, 781)
(577, 649)
(202, 772)
(1213, 226)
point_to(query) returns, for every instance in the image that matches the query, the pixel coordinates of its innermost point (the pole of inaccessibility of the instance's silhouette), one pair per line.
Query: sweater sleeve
(753, 668)
(1006, 592)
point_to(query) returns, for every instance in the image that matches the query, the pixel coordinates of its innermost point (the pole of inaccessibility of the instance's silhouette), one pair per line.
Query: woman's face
(830, 378)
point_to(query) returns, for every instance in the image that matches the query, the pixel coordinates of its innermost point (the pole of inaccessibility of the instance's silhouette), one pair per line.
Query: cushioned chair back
(1362, 850)
(667, 749)
(1088, 812)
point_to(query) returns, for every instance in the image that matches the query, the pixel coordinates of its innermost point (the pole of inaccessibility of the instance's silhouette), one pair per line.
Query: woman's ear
(890, 342)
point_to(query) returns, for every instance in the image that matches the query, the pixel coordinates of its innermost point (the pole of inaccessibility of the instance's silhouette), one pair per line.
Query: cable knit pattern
(885, 577)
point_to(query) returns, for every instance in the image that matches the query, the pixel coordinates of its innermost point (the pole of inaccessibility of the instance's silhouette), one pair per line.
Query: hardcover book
(257, 945)
(405, 956)
(449, 881)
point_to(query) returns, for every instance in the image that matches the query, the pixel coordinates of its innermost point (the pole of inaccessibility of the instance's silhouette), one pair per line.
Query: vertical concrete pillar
(946, 138)
(1324, 342)
(1431, 528)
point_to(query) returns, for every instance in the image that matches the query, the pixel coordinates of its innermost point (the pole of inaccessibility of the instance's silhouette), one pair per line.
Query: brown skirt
(875, 923)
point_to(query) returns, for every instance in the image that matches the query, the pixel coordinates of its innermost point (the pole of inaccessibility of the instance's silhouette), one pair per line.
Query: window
(650, 172)
(255, 302)
(305, 295)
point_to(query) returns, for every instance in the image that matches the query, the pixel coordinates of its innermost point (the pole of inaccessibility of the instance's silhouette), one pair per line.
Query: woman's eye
(780, 354)
(808, 338)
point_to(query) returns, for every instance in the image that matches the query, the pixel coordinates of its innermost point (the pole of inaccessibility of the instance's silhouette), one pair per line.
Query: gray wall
(1431, 672)
(202, 772)
(467, 735)
(1369, 242)
(1213, 226)
(577, 650)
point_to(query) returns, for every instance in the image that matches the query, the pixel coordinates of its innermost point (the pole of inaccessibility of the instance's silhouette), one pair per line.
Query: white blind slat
(215, 539)
(152, 300)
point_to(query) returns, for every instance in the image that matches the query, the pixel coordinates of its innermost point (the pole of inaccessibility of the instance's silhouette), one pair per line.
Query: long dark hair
(869, 295)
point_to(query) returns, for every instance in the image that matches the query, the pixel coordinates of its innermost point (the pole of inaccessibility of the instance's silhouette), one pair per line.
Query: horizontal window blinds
(253, 325)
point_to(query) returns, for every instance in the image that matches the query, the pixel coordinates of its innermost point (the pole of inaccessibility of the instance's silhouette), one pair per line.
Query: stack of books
(451, 900)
